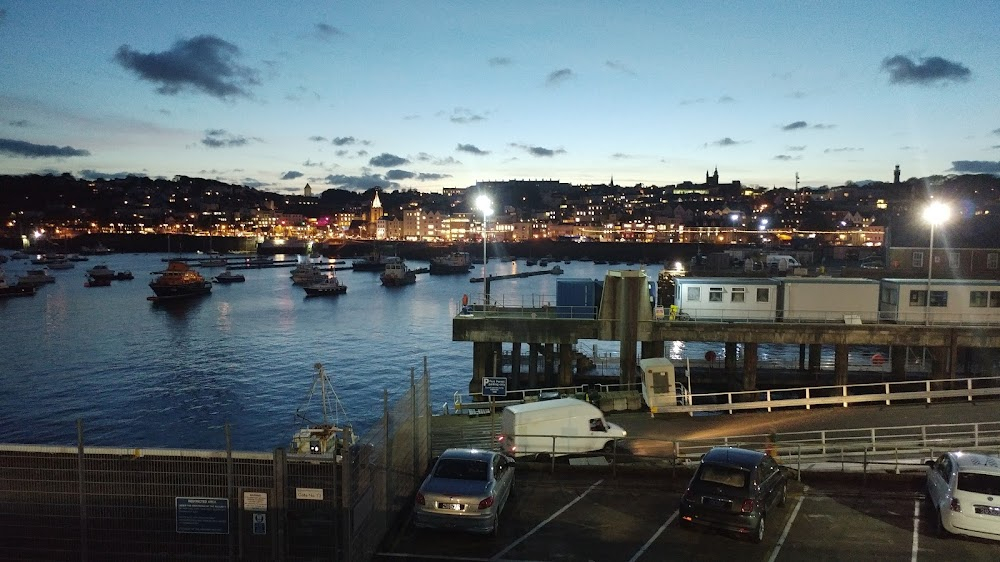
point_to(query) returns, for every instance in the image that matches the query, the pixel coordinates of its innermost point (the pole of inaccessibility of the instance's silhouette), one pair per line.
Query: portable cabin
(578, 298)
(659, 383)
(952, 301)
(733, 299)
(828, 299)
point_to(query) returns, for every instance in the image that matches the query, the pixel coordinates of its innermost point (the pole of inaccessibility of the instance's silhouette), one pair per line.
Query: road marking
(655, 535)
(511, 546)
(916, 535)
(788, 526)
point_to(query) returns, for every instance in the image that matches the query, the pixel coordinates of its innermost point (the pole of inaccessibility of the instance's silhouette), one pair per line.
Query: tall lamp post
(935, 214)
(484, 204)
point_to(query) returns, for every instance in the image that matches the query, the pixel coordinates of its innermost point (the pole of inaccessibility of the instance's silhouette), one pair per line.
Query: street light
(484, 204)
(935, 214)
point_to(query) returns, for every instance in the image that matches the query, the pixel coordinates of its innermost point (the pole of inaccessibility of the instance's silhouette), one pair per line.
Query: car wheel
(784, 495)
(758, 535)
(609, 447)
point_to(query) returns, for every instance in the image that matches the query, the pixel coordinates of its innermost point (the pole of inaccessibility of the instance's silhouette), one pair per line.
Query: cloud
(995, 131)
(796, 148)
(291, 175)
(795, 125)
(539, 151)
(254, 183)
(204, 63)
(557, 77)
(786, 157)
(95, 175)
(386, 160)
(359, 183)
(463, 115)
(726, 141)
(471, 149)
(432, 177)
(975, 167)
(219, 138)
(19, 123)
(727, 99)
(843, 149)
(692, 101)
(500, 61)
(619, 66)
(621, 156)
(326, 31)
(447, 161)
(317, 138)
(399, 175)
(797, 95)
(341, 141)
(13, 147)
(904, 70)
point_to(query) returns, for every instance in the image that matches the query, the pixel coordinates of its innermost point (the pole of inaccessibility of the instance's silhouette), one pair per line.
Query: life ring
(710, 356)
(465, 300)
(878, 359)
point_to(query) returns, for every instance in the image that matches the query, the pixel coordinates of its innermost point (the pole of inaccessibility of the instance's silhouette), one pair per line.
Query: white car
(467, 489)
(964, 491)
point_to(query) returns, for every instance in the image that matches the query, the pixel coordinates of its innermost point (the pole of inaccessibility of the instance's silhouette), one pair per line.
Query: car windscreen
(731, 476)
(461, 469)
(988, 484)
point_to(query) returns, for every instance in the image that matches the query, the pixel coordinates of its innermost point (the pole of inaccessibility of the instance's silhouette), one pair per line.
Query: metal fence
(102, 503)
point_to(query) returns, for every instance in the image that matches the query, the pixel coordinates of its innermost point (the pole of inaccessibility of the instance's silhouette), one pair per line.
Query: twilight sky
(427, 95)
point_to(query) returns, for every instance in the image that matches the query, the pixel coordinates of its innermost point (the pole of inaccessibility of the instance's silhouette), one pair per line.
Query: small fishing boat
(228, 276)
(396, 274)
(325, 436)
(16, 290)
(330, 285)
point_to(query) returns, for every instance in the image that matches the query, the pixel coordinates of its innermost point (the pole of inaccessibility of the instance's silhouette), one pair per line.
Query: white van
(556, 427)
(781, 261)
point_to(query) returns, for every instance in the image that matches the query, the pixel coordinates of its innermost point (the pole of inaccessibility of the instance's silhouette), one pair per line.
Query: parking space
(591, 515)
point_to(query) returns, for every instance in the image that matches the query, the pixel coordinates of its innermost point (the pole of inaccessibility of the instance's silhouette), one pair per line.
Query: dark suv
(734, 489)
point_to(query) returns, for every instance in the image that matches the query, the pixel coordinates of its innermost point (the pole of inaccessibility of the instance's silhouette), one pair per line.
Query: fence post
(347, 498)
(413, 428)
(83, 493)
(279, 511)
(807, 398)
(975, 433)
(388, 459)
(822, 441)
(969, 386)
(864, 468)
(552, 457)
(887, 391)
(798, 462)
(927, 386)
(230, 494)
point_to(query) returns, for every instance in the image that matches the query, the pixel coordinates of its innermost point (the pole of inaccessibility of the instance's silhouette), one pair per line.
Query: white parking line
(656, 534)
(510, 547)
(916, 535)
(788, 526)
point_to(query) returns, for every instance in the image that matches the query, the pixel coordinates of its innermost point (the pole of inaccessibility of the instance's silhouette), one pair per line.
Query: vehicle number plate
(451, 506)
(716, 502)
(987, 510)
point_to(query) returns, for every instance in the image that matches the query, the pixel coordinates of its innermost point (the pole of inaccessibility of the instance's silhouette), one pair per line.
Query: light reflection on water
(142, 374)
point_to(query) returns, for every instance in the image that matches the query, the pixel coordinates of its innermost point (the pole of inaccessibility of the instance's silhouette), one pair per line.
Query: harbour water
(141, 374)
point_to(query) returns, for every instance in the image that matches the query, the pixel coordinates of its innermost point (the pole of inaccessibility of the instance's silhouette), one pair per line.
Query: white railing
(807, 397)
(476, 402)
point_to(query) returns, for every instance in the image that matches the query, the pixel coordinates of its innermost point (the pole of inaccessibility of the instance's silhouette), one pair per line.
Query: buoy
(878, 359)
(465, 300)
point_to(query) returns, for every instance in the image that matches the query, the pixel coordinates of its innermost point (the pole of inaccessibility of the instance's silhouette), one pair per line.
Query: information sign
(202, 515)
(494, 386)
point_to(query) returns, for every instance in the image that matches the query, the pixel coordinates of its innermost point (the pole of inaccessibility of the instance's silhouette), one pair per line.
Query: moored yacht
(179, 281)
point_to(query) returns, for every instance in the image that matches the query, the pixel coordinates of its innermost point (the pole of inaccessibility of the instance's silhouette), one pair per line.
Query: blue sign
(494, 386)
(202, 515)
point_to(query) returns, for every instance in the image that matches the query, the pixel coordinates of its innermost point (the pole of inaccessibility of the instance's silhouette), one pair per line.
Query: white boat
(454, 262)
(324, 436)
(17, 290)
(330, 285)
(35, 277)
(306, 273)
(101, 270)
(228, 276)
(61, 264)
(214, 262)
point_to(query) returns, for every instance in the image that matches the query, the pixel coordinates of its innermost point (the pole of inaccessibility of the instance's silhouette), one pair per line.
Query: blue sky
(428, 95)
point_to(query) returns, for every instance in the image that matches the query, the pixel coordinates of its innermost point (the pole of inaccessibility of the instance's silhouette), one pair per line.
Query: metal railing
(807, 397)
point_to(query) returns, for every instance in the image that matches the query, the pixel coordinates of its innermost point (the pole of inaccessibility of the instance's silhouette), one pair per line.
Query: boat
(326, 436)
(35, 277)
(454, 262)
(374, 261)
(179, 281)
(61, 263)
(100, 281)
(556, 270)
(99, 250)
(330, 285)
(214, 262)
(228, 276)
(124, 276)
(530, 261)
(19, 256)
(101, 270)
(396, 274)
(76, 257)
(273, 246)
(306, 273)
(16, 290)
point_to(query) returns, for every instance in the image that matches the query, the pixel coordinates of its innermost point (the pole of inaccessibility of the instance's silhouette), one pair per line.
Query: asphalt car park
(589, 514)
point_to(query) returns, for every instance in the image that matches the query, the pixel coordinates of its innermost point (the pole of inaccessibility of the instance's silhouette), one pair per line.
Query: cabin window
(918, 259)
(739, 294)
(978, 299)
(715, 294)
(918, 298)
(694, 294)
(994, 299)
(993, 260)
(939, 298)
(763, 294)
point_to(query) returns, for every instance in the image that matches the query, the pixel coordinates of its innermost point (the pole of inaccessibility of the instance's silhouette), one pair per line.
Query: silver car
(466, 489)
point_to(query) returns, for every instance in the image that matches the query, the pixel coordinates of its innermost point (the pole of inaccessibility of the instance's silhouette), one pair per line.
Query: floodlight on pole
(934, 214)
